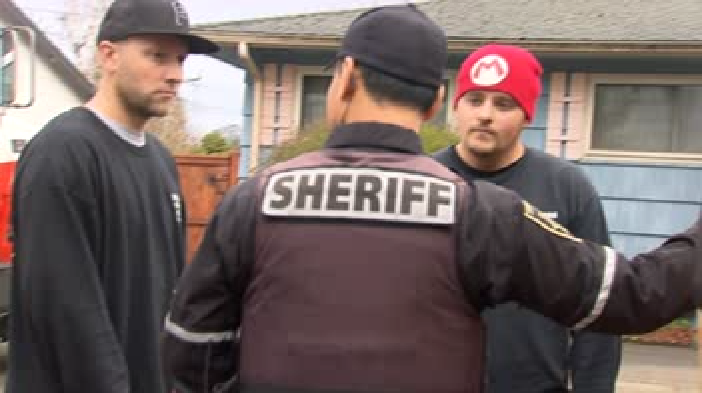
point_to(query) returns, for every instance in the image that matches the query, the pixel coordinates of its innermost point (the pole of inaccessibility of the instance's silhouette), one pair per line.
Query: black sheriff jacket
(363, 268)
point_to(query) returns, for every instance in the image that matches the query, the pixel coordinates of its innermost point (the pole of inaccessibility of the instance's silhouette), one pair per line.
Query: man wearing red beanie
(497, 90)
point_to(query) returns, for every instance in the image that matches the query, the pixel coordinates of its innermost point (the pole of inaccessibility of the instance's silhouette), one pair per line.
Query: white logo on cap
(181, 16)
(489, 71)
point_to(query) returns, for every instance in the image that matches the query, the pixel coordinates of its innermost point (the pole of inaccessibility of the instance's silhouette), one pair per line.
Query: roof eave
(227, 38)
(555, 46)
(540, 46)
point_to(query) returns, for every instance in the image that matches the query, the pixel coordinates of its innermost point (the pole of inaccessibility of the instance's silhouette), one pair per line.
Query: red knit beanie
(505, 68)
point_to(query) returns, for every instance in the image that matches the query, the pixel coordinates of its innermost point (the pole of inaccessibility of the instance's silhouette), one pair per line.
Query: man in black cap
(363, 267)
(99, 219)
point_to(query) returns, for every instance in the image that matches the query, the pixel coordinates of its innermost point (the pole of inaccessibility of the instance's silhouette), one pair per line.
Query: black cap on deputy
(400, 41)
(126, 18)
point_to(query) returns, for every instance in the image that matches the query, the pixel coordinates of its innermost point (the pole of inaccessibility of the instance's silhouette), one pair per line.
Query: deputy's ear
(438, 103)
(347, 75)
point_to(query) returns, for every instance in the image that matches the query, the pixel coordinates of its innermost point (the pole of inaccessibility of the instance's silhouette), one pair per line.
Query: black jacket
(305, 259)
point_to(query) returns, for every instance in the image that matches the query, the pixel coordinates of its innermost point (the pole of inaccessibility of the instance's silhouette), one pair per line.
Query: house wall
(646, 199)
(52, 96)
(246, 138)
(535, 134)
(277, 119)
(280, 110)
(645, 203)
(565, 113)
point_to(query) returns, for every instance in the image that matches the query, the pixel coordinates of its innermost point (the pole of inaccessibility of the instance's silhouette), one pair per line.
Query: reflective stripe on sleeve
(196, 337)
(610, 268)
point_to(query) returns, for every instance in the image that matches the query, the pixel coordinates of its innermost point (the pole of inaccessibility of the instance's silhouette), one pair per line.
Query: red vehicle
(16, 71)
(7, 170)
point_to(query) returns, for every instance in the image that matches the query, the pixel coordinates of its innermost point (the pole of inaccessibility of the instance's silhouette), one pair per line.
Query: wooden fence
(204, 179)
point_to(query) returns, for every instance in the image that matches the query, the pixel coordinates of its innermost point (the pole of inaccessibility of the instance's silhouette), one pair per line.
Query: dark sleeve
(515, 253)
(594, 357)
(200, 344)
(58, 291)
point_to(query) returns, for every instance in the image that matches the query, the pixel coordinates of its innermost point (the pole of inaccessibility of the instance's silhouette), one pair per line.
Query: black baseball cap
(126, 18)
(400, 41)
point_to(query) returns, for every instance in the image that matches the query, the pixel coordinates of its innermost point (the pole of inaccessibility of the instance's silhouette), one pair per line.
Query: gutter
(461, 45)
(252, 68)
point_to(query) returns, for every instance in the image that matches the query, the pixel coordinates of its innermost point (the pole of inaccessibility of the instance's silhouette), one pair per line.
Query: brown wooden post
(204, 179)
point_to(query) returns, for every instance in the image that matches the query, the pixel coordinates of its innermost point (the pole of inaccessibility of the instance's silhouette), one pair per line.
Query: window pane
(689, 139)
(314, 100)
(7, 86)
(648, 118)
(314, 93)
(633, 118)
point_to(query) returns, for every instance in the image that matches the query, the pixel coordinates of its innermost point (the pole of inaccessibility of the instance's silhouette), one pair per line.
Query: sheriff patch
(361, 193)
(545, 222)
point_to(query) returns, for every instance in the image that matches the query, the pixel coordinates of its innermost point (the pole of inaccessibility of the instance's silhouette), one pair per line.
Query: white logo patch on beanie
(489, 70)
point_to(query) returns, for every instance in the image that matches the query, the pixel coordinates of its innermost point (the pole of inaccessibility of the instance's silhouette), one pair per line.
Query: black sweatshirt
(99, 226)
(527, 352)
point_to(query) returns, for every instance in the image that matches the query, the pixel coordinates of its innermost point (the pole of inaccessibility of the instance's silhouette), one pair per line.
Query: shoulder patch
(544, 221)
(360, 193)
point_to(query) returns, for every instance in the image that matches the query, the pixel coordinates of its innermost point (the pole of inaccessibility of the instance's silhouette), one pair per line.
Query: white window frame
(633, 79)
(303, 71)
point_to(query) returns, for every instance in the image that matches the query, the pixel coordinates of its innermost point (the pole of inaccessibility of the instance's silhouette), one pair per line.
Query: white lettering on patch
(361, 193)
